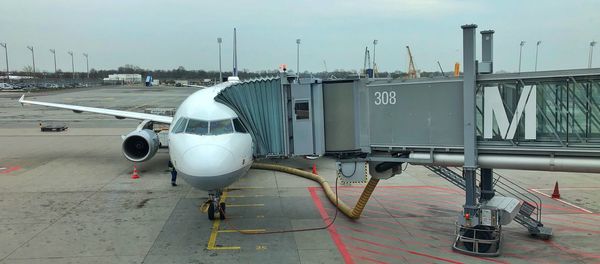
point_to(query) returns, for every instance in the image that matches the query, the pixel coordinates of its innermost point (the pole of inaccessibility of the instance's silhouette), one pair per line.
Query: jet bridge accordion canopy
(259, 103)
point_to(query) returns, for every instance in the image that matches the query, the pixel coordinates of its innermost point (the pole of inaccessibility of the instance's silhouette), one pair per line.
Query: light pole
(537, 47)
(53, 51)
(374, 65)
(521, 53)
(220, 40)
(6, 55)
(298, 57)
(592, 44)
(87, 64)
(72, 65)
(32, 57)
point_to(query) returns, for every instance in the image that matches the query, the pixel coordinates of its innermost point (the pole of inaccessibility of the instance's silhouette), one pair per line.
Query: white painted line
(572, 188)
(563, 201)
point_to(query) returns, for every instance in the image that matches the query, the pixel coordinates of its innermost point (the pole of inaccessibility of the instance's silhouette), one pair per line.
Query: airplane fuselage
(207, 143)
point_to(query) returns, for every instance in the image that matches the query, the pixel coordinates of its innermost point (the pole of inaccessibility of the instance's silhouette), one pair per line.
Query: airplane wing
(116, 113)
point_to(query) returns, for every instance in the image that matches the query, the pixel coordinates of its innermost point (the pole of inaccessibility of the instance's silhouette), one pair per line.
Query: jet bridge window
(301, 110)
(221, 127)
(197, 127)
(180, 125)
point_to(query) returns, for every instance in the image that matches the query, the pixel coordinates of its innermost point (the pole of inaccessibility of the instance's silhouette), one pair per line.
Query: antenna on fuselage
(235, 68)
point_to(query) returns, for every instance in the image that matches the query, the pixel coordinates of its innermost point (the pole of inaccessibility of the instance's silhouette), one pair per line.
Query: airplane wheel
(222, 213)
(211, 211)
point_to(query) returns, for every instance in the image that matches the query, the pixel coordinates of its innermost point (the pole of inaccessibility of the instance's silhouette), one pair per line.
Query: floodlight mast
(53, 51)
(6, 56)
(592, 44)
(521, 53)
(72, 65)
(298, 57)
(87, 64)
(220, 40)
(32, 57)
(375, 70)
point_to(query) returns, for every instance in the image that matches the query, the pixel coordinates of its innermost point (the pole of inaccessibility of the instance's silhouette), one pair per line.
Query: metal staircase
(530, 212)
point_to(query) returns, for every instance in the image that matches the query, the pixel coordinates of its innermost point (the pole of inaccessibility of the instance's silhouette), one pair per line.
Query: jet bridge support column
(470, 140)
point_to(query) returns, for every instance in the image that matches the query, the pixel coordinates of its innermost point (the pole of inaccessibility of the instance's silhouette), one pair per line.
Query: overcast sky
(167, 34)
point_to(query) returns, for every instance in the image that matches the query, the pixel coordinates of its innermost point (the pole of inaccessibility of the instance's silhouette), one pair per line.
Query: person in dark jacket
(173, 174)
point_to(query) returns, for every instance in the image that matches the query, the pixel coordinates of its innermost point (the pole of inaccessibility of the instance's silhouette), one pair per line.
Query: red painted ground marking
(370, 259)
(402, 233)
(408, 225)
(402, 249)
(571, 251)
(569, 221)
(10, 169)
(378, 253)
(391, 238)
(332, 231)
(592, 217)
(404, 224)
(419, 200)
(387, 208)
(422, 206)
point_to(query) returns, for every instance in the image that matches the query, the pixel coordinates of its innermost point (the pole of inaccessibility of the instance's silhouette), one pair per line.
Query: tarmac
(67, 197)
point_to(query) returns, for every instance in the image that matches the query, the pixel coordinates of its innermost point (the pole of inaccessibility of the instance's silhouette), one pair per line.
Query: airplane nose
(207, 160)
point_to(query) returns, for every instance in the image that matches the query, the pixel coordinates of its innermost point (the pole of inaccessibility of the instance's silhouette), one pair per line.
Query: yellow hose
(353, 213)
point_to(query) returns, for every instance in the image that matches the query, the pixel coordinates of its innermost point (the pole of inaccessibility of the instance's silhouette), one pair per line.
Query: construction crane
(412, 71)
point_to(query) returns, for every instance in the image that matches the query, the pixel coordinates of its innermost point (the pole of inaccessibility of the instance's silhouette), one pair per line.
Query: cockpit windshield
(221, 127)
(201, 127)
(197, 127)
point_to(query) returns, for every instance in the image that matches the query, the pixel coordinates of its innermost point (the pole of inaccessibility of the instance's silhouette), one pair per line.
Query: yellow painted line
(245, 205)
(241, 230)
(245, 196)
(225, 248)
(247, 187)
(212, 240)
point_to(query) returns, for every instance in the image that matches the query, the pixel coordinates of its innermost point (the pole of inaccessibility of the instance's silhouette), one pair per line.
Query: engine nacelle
(140, 145)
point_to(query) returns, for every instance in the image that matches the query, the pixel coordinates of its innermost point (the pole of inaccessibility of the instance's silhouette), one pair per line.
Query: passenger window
(197, 127)
(221, 127)
(301, 110)
(239, 127)
(179, 126)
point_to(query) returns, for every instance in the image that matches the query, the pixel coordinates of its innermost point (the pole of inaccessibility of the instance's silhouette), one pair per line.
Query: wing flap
(116, 113)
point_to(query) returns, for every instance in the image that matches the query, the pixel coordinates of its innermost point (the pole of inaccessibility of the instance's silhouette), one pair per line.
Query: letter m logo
(494, 107)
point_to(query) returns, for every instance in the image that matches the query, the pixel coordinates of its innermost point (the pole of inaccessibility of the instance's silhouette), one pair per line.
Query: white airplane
(208, 144)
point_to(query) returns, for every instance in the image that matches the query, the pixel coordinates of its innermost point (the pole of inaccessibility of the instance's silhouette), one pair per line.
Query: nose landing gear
(215, 206)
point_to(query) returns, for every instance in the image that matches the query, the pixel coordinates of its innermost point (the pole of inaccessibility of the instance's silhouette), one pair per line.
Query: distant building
(123, 79)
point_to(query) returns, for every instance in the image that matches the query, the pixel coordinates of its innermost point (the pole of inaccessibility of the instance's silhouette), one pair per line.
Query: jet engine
(140, 145)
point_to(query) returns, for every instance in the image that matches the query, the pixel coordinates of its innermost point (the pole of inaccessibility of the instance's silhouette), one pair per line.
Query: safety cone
(314, 169)
(556, 193)
(135, 174)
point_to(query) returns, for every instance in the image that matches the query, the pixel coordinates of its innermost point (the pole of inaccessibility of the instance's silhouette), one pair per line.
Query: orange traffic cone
(314, 169)
(556, 193)
(135, 174)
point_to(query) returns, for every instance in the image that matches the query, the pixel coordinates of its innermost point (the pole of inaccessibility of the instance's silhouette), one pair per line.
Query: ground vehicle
(6, 86)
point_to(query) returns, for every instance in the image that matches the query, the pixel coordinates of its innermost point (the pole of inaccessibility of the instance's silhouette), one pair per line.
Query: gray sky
(167, 34)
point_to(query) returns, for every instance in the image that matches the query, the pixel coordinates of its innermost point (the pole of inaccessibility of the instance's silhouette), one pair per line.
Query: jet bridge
(547, 121)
